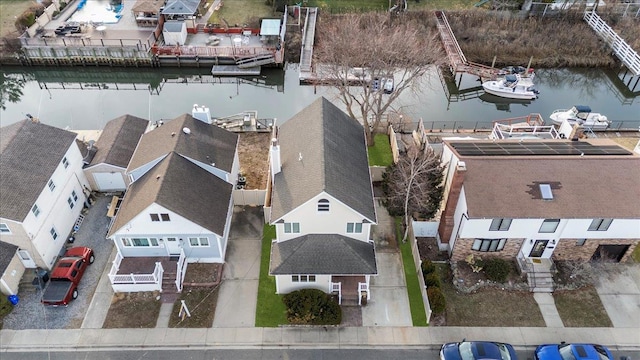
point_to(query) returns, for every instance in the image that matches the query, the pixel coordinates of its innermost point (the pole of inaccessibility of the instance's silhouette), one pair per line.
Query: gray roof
(582, 187)
(328, 254)
(181, 7)
(29, 154)
(205, 143)
(183, 187)
(7, 252)
(173, 26)
(334, 159)
(118, 140)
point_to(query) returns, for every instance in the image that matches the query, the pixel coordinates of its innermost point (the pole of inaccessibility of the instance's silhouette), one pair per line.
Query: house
(146, 12)
(11, 269)
(321, 204)
(540, 201)
(107, 170)
(42, 193)
(182, 10)
(174, 33)
(178, 205)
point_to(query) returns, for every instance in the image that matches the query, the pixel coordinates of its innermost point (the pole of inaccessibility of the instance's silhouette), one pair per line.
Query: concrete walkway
(548, 309)
(619, 291)
(101, 301)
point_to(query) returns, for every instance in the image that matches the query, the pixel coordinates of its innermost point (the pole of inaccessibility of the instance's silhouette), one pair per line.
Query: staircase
(539, 272)
(259, 60)
(169, 290)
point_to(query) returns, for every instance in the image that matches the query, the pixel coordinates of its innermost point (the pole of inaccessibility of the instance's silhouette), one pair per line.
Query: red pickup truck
(65, 276)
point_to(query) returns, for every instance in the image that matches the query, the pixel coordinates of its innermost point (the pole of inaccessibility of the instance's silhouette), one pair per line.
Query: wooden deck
(145, 265)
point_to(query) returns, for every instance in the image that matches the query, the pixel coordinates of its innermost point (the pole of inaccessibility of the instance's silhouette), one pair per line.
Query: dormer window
(323, 205)
(65, 162)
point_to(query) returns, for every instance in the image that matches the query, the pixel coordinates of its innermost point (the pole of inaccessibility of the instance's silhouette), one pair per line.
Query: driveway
(31, 314)
(237, 299)
(619, 290)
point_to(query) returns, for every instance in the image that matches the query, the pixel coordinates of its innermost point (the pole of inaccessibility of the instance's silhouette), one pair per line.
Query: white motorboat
(581, 115)
(511, 86)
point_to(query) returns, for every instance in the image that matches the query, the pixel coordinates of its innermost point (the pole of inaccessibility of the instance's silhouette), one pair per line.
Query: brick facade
(462, 249)
(445, 228)
(567, 249)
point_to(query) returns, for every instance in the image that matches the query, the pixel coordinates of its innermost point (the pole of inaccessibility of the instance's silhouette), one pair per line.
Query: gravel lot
(31, 314)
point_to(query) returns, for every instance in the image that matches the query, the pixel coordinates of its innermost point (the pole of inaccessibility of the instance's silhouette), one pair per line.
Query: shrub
(497, 269)
(55, 13)
(427, 267)
(62, 5)
(25, 20)
(436, 300)
(432, 280)
(312, 307)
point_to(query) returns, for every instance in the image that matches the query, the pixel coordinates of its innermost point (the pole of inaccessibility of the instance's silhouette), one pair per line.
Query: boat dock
(308, 36)
(234, 70)
(621, 49)
(246, 121)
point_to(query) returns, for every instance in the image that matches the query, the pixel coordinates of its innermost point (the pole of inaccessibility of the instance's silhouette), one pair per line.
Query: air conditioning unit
(461, 166)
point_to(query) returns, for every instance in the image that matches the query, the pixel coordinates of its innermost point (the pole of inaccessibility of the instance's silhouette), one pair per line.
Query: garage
(112, 181)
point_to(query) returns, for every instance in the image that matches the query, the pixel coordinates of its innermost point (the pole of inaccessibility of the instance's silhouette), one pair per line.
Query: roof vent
(186, 130)
(462, 166)
(545, 190)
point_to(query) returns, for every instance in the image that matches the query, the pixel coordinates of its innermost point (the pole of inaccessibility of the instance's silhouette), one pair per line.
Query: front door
(538, 248)
(173, 246)
(26, 259)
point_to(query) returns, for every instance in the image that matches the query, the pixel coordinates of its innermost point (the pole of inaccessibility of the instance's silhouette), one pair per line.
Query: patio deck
(145, 265)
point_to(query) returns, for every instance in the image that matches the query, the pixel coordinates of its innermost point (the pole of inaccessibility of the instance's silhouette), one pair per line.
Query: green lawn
(418, 313)
(241, 12)
(380, 153)
(9, 10)
(341, 6)
(270, 311)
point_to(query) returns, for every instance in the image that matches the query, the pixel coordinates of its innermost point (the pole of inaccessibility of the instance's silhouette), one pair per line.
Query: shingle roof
(334, 159)
(173, 26)
(7, 251)
(118, 140)
(183, 187)
(148, 6)
(181, 7)
(323, 254)
(589, 187)
(29, 154)
(205, 143)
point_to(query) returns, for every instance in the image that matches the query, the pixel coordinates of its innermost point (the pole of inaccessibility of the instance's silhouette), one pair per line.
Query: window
(54, 233)
(292, 228)
(126, 242)
(164, 217)
(158, 217)
(500, 224)
(549, 225)
(4, 229)
(51, 185)
(195, 242)
(303, 278)
(35, 210)
(581, 242)
(74, 195)
(323, 205)
(600, 224)
(140, 242)
(354, 228)
(65, 162)
(155, 217)
(488, 245)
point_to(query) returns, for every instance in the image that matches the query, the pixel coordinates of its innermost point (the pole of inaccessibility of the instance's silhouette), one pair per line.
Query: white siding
(333, 221)
(284, 285)
(460, 221)
(135, 174)
(12, 275)
(100, 170)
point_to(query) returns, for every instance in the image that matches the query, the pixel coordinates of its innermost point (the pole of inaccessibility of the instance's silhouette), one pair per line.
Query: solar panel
(538, 148)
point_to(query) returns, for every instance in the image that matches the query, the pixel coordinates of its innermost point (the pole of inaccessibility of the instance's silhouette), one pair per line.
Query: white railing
(115, 265)
(363, 287)
(132, 279)
(337, 287)
(181, 270)
(622, 50)
(637, 148)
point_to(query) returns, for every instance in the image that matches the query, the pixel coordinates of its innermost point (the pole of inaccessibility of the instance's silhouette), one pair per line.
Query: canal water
(86, 98)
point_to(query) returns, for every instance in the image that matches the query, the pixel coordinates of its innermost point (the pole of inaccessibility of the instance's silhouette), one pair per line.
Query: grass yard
(489, 306)
(270, 310)
(201, 303)
(418, 313)
(9, 10)
(241, 12)
(341, 6)
(380, 154)
(133, 310)
(581, 308)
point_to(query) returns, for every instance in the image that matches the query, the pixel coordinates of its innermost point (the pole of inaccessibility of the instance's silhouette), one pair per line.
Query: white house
(539, 201)
(174, 32)
(322, 204)
(114, 149)
(179, 204)
(42, 192)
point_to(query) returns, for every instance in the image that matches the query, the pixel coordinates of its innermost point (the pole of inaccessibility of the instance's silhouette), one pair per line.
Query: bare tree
(357, 54)
(414, 185)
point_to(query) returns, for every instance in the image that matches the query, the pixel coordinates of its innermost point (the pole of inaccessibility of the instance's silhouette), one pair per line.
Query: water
(86, 98)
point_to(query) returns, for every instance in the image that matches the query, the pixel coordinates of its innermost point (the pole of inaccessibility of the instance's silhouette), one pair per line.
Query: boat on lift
(581, 115)
(511, 86)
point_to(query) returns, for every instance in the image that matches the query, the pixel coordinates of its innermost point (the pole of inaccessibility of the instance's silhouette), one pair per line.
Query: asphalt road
(264, 354)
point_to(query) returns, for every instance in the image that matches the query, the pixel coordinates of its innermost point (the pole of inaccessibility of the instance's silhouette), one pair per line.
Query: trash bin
(13, 299)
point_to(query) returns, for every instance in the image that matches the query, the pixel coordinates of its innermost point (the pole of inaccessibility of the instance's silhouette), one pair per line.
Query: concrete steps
(540, 281)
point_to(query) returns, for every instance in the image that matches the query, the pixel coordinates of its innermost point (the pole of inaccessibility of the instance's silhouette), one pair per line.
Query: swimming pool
(97, 11)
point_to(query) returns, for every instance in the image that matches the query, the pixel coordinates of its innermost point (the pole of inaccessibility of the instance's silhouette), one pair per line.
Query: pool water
(97, 12)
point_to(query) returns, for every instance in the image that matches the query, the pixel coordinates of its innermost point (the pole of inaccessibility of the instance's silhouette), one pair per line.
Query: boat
(581, 115)
(511, 86)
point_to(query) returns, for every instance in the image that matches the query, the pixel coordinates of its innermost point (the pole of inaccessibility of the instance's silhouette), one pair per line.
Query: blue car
(564, 351)
(475, 350)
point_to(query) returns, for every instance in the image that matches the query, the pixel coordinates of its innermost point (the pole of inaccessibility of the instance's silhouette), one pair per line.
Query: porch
(133, 274)
(350, 289)
(539, 272)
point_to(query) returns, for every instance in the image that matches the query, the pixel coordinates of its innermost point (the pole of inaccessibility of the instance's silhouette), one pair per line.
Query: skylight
(545, 190)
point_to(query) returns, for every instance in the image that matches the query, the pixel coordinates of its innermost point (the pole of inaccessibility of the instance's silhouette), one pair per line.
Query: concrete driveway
(619, 290)
(236, 306)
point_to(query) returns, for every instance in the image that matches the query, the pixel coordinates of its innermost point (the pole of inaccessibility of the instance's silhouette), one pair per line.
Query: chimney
(274, 156)
(201, 113)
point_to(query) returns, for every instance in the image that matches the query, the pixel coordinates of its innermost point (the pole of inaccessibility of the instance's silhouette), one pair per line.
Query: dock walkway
(308, 36)
(621, 49)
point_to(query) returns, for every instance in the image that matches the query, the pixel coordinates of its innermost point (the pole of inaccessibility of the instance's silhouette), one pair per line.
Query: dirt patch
(253, 152)
(199, 273)
(133, 310)
(428, 249)
(201, 303)
(351, 316)
(581, 308)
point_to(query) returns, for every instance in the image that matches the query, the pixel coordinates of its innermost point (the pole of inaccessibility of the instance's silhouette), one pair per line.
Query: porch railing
(181, 270)
(337, 288)
(153, 278)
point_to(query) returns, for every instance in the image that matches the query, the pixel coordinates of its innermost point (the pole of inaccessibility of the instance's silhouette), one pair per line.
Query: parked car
(564, 351)
(475, 350)
(66, 275)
